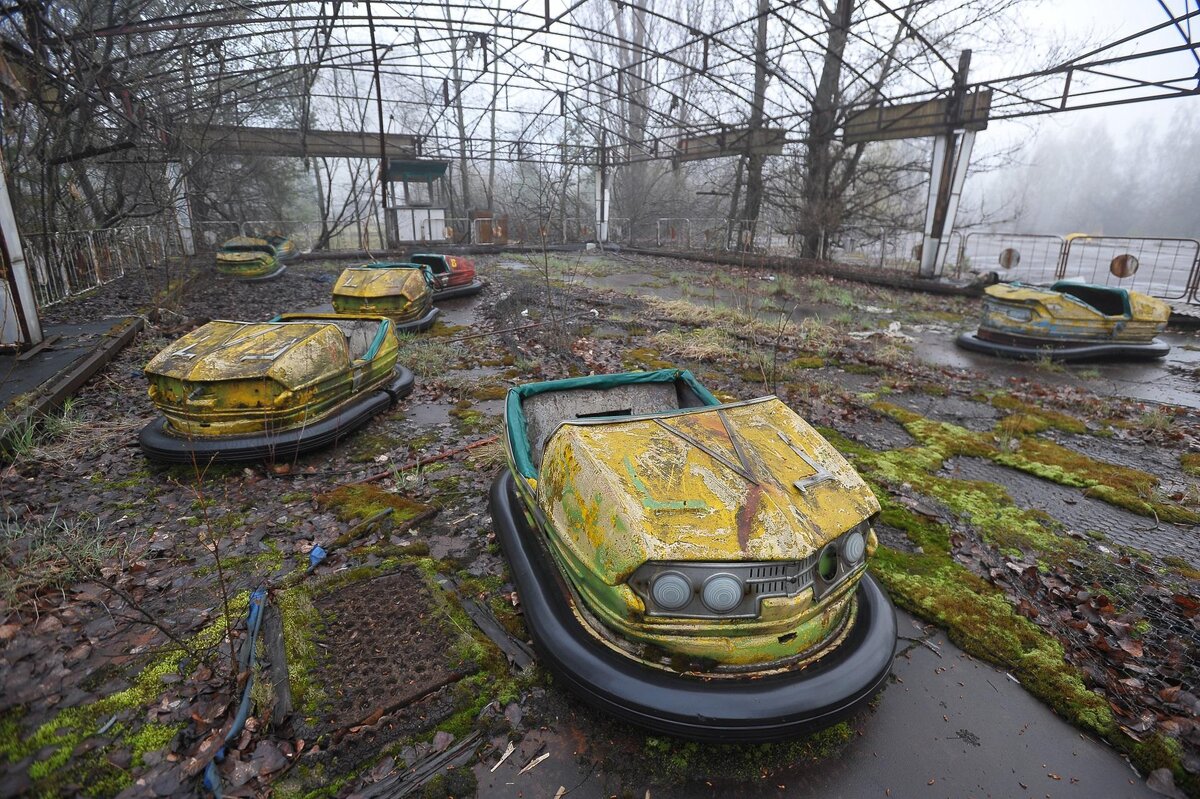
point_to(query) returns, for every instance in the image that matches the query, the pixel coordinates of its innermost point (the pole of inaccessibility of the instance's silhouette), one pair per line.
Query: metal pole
(944, 175)
(383, 165)
(19, 322)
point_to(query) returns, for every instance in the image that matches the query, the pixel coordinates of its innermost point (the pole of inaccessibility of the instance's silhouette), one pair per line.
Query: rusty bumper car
(249, 391)
(1069, 322)
(247, 258)
(692, 567)
(453, 275)
(403, 292)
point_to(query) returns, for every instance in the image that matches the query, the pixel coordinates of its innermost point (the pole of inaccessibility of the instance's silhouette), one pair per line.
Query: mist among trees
(1141, 179)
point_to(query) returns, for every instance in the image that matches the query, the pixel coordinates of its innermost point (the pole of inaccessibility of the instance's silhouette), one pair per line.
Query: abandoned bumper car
(1069, 321)
(247, 258)
(285, 248)
(692, 567)
(247, 391)
(403, 292)
(453, 275)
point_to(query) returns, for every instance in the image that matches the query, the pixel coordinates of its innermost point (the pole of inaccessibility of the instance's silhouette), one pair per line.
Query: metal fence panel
(1163, 268)
(70, 262)
(1033, 258)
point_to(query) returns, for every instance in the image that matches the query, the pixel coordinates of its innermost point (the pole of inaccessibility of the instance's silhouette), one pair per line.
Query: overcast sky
(1093, 22)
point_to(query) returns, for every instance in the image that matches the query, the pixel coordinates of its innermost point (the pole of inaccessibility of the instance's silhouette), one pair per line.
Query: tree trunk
(459, 117)
(755, 161)
(820, 210)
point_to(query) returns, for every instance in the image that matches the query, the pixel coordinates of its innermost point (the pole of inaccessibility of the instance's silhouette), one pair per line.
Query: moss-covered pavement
(1040, 530)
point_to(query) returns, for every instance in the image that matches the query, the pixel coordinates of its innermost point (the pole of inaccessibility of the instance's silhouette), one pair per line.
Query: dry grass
(65, 435)
(701, 344)
(52, 554)
(731, 320)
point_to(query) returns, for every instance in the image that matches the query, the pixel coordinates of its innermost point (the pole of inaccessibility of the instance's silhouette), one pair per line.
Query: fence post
(1064, 254)
(1193, 293)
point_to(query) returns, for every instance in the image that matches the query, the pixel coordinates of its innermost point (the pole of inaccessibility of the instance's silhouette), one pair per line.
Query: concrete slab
(35, 384)
(947, 726)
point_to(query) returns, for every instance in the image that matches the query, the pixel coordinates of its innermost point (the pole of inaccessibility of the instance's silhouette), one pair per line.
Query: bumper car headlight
(722, 593)
(671, 591)
(854, 547)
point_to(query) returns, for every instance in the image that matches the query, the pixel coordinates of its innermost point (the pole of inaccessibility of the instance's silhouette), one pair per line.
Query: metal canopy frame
(564, 68)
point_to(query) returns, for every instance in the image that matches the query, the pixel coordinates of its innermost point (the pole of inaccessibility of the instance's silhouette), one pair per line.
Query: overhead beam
(917, 120)
(237, 140)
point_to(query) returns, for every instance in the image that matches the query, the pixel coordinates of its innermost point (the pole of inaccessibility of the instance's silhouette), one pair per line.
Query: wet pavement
(72, 344)
(1174, 379)
(1081, 514)
(948, 725)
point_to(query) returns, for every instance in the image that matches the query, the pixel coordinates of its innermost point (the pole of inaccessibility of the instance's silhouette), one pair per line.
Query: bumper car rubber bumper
(279, 270)
(757, 708)
(162, 446)
(418, 325)
(1068, 351)
(452, 292)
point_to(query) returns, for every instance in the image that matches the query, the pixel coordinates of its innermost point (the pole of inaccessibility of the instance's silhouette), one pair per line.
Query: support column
(951, 155)
(183, 207)
(602, 195)
(19, 322)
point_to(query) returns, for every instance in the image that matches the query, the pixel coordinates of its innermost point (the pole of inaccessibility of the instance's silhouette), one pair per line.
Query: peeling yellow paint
(400, 293)
(712, 484)
(229, 378)
(1055, 315)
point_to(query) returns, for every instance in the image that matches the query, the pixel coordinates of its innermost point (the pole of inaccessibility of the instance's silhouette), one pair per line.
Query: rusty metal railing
(71, 262)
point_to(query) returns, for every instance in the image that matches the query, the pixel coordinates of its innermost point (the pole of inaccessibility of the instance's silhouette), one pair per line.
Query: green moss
(453, 783)
(271, 560)
(442, 329)
(1118, 485)
(1159, 751)
(806, 362)
(301, 625)
(1035, 416)
(135, 479)
(488, 391)
(978, 616)
(1190, 463)
(151, 738)
(643, 358)
(353, 503)
(368, 444)
(1182, 567)
(671, 761)
(67, 729)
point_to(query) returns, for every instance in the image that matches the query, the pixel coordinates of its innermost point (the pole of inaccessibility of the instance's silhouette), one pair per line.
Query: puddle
(1174, 379)
(516, 266)
(428, 414)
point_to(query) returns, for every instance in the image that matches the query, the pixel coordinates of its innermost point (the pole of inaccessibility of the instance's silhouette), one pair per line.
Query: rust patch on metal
(746, 514)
